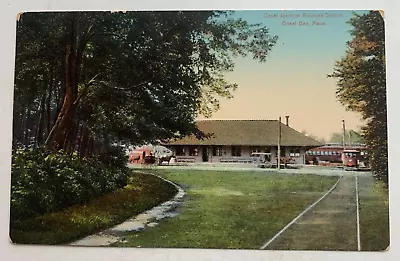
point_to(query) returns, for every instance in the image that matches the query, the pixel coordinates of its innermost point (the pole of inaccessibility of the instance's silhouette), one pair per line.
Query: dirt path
(330, 225)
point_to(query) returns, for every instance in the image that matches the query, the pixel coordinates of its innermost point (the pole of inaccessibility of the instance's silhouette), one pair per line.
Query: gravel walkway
(148, 218)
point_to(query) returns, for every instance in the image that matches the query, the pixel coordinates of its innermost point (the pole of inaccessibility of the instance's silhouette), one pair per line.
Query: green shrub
(45, 182)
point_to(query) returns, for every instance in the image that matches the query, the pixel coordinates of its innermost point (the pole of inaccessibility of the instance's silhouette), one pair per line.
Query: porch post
(279, 145)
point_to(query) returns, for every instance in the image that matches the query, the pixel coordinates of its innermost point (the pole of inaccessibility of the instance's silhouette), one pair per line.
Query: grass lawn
(374, 214)
(143, 192)
(231, 209)
(329, 225)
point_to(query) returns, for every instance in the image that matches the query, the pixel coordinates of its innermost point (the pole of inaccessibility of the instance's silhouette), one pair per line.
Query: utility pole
(344, 135)
(349, 143)
(344, 140)
(279, 144)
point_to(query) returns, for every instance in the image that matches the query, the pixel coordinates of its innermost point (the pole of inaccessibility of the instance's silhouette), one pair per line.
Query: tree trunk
(57, 136)
(81, 139)
(68, 133)
(64, 119)
(26, 127)
(48, 104)
(73, 139)
(84, 143)
(73, 61)
(40, 126)
(22, 125)
(17, 121)
(91, 146)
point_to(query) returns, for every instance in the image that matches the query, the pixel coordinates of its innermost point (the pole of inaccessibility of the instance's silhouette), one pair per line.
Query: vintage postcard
(246, 129)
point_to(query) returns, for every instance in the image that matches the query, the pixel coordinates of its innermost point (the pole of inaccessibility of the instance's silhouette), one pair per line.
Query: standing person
(314, 160)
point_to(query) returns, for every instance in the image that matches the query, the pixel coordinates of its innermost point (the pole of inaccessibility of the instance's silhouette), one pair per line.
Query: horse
(134, 158)
(149, 159)
(286, 161)
(164, 158)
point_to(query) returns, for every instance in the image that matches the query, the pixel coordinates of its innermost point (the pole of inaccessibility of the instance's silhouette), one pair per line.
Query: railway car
(333, 153)
(351, 159)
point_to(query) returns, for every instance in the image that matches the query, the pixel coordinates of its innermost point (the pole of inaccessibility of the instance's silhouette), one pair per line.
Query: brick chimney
(287, 120)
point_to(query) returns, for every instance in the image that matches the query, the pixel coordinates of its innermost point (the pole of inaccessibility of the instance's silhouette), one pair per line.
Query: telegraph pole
(344, 140)
(344, 135)
(349, 141)
(279, 144)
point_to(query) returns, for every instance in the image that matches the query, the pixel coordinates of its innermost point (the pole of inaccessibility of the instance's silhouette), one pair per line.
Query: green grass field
(329, 225)
(229, 210)
(374, 214)
(232, 209)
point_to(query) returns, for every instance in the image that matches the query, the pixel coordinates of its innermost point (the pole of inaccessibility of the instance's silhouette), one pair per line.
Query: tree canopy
(312, 136)
(361, 76)
(351, 137)
(87, 80)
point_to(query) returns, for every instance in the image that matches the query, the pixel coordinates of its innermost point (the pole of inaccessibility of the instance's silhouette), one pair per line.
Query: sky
(294, 79)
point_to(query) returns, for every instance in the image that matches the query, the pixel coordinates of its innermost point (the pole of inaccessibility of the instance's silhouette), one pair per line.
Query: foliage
(351, 136)
(312, 136)
(78, 221)
(362, 85)
(87, 83)
(90, 79)
(374, 213)
(46, 182)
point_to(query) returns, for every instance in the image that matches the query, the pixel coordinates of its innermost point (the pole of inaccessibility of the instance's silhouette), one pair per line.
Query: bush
(44, 182)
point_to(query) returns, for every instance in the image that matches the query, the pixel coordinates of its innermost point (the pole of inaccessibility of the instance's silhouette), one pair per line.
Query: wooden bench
(236, 160)
(185, 159)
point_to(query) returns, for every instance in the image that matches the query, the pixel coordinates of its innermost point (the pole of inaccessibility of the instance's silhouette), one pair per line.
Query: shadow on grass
(231, 209)
(142, 193)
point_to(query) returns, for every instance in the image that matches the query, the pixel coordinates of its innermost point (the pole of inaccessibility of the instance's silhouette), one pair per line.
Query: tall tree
(89, 80)
(361, 85)
(351, 136)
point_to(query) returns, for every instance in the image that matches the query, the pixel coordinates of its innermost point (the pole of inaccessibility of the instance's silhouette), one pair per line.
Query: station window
(217, 150)
(193, 151)
(180, 151)
(294, 152)
(255, 149)
(236, 151)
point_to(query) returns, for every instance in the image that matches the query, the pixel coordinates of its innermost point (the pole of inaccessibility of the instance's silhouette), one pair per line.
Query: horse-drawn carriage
(154, 160)
(150, 155)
